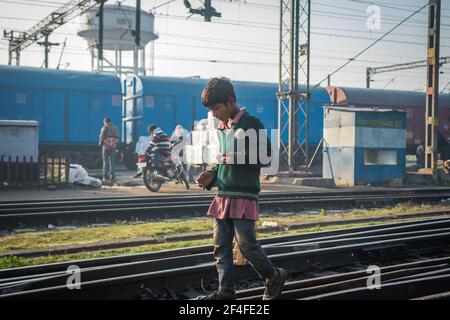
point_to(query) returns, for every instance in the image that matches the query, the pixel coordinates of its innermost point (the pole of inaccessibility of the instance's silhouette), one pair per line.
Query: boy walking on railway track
(235, 208)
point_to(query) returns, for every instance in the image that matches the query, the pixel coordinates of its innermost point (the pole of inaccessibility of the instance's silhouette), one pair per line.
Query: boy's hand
(205, 179)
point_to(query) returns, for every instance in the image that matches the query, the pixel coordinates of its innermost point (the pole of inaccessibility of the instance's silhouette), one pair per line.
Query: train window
(149, 101)
(380, 157)
(116, 101)
(21, 98)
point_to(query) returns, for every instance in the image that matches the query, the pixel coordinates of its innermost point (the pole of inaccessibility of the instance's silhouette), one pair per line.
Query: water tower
(119, 25)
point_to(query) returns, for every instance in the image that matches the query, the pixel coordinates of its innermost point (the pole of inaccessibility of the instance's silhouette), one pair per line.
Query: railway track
(412, 280)
(84, 211)
(31, 271)
(176, 274)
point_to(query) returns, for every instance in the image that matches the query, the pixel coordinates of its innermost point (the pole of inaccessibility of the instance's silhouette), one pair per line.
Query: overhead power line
(162, 5)
(370, 72)
(370, 46)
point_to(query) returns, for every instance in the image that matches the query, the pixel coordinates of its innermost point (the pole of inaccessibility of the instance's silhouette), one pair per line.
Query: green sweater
(241, 178)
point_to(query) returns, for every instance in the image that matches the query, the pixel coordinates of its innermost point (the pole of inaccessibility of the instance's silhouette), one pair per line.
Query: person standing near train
(235, 208)
(108, 140)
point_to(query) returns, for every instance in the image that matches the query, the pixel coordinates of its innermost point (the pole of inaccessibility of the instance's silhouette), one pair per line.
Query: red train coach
(412, 102)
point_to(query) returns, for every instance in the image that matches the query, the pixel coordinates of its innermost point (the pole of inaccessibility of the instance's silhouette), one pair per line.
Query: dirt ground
(130, 191)
(125, 191)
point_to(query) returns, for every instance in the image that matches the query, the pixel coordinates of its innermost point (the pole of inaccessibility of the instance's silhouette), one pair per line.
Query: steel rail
(23, 273)
(202, 195)
(438, 296)
(344, 281)
(399, 290)
(192, 260)
(131, 285)
(15, 220)
(61, 204)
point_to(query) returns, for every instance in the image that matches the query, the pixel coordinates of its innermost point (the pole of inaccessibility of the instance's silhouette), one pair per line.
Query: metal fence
(23, 172)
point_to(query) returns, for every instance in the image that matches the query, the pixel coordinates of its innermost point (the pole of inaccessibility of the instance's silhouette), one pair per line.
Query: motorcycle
(172, 170)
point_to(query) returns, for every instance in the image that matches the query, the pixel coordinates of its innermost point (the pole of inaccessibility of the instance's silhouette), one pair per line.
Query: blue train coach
(69, 106)
(169, 101)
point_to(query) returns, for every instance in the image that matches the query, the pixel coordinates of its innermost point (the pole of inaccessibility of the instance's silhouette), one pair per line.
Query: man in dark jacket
(108, 139)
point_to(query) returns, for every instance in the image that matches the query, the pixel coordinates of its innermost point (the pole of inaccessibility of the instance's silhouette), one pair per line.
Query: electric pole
(137, 37)
(47, 45)
(294, 67)
(100, 35)
(432, 86)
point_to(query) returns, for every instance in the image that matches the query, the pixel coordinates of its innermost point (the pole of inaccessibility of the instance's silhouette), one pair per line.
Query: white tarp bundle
(78, 174)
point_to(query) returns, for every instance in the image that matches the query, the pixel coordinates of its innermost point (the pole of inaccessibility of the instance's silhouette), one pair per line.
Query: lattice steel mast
(294, 68)
(432, 87)
(21, 40)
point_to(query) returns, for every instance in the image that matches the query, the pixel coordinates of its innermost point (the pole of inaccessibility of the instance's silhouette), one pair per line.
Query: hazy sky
(243, 44)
